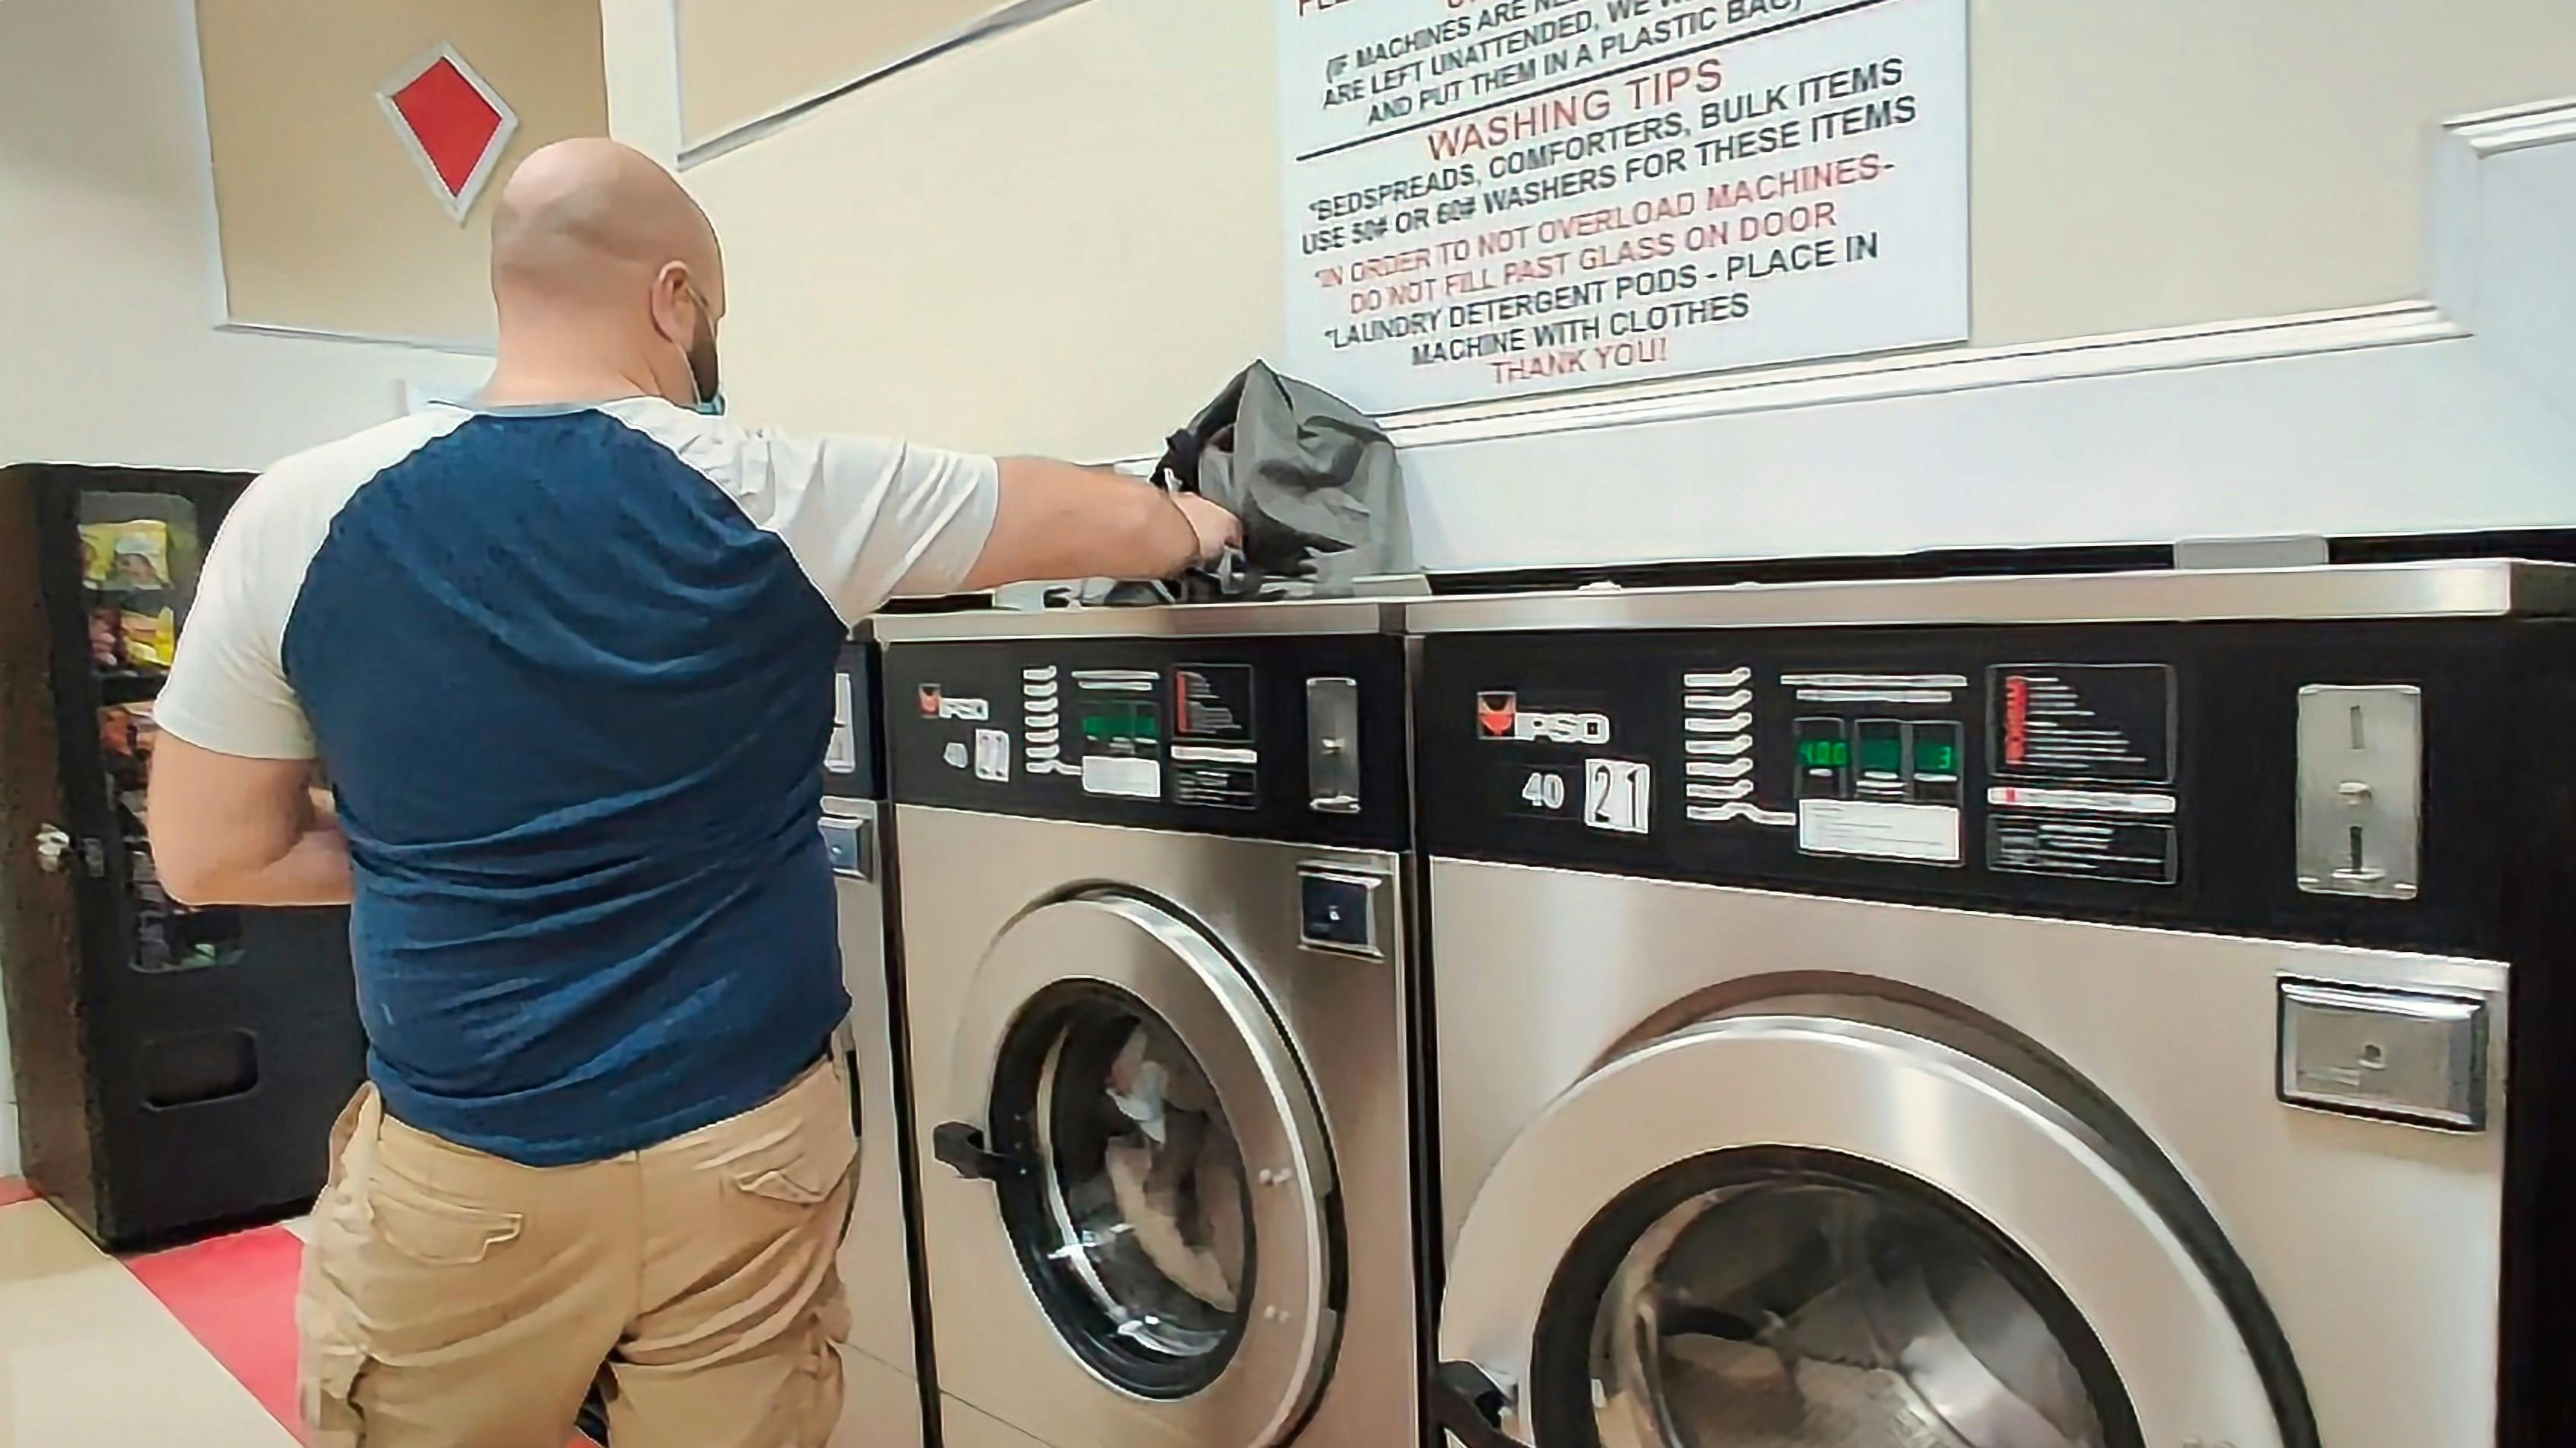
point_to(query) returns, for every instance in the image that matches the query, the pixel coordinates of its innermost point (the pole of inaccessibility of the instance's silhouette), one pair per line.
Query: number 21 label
(1617, 795)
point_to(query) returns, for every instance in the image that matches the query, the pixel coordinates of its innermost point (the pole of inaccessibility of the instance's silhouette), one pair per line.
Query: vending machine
(174, 1069)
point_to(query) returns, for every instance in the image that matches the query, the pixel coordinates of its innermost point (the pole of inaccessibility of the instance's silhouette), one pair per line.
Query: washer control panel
(1295, 738)
(2122, 772)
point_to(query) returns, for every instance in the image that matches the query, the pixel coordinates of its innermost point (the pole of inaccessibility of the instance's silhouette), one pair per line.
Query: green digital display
(1123, 721)
(1820, 752)
(1935, 755)
(1882, 751)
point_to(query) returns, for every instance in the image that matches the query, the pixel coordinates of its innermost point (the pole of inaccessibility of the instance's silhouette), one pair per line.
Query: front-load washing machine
(883, 1405)
(2077, 1012)
(1156, 924)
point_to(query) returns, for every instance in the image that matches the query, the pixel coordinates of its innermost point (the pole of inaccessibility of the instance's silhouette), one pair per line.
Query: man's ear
(670, 303)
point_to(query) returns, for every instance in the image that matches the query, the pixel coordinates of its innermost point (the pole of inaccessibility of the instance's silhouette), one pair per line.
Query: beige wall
(2152, 163)
(327, 222)
(108, 226)
(741, 60)
(1062, 238)
(1025, 271)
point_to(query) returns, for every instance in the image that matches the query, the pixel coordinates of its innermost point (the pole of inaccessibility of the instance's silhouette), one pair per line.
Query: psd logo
(1500, 716)
(935, 704)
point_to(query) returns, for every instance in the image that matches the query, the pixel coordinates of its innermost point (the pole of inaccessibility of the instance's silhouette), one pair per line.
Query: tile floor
(194, 1346)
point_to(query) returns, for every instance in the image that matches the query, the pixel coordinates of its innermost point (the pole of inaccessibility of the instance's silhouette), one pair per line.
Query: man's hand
(1056, 521)
(1217, 529)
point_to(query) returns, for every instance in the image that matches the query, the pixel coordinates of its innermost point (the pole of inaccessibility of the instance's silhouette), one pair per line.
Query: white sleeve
(879, 519)
(867, 519)
(227, 689)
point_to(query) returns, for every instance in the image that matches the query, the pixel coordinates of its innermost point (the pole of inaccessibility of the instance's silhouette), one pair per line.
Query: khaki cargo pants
(456, 1300)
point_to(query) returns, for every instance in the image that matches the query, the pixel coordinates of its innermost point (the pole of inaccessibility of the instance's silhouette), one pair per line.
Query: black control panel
(1289, 738)
(2129, 773)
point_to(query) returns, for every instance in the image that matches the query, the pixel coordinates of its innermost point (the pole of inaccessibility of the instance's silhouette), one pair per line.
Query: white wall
(1062, 238)
(108, 348)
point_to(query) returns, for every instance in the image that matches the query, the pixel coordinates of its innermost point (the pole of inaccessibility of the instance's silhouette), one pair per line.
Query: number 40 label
(1617, 795)
(1544, 791)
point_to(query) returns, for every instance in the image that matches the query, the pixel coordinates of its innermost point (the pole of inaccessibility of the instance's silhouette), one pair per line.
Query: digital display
(1824, 752)
(1824, 758)
(1936, 747)
(1882, 748)
(1122, 722)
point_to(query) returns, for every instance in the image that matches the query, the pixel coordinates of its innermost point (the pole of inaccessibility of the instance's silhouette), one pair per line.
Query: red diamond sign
(453, 123)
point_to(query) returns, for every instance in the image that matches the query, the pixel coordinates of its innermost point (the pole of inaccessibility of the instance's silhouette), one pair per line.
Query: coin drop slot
(2360, 787)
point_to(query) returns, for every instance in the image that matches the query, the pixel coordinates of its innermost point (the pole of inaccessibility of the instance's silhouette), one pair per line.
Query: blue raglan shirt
(570, 673)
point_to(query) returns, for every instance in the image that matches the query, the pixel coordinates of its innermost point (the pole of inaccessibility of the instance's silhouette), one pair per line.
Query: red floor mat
(236, 1295)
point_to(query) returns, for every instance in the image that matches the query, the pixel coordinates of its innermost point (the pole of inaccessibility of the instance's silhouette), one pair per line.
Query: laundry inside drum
(1150, 1185)
(1793, 1313)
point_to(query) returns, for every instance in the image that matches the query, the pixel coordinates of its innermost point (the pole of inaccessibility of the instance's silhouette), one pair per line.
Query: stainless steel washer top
(1156, 920)
(2054, 1013)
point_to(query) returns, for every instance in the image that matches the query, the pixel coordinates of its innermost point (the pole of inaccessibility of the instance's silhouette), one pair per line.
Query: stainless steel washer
(1154, 900)
(2005, 1013)
(883, 1402)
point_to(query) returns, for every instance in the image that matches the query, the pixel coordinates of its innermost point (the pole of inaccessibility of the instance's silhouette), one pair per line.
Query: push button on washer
(1338, 911)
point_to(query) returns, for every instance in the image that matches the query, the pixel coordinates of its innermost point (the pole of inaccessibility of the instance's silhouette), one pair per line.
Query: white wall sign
(1492, 197)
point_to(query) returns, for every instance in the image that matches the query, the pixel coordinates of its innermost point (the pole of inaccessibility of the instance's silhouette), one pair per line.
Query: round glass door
(1159, 1163)
(1795, 1299)
(1135, 1221)
(1802, 1228)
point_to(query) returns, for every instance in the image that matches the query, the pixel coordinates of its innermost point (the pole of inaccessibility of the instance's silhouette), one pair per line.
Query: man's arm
(870, 519)
(1055, 520)
(233, 831)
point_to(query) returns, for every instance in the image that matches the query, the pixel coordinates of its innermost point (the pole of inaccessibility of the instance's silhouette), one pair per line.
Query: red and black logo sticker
(1497, 714)
(930, 701)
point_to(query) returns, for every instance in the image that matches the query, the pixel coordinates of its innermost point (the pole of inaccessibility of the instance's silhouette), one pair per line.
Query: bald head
(599, 255)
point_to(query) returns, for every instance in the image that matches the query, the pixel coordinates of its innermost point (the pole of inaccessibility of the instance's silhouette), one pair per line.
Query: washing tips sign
(1488, 198)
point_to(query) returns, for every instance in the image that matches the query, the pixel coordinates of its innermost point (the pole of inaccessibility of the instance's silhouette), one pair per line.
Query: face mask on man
(704, 382)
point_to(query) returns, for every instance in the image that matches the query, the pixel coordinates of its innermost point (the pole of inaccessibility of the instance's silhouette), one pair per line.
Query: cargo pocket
(327, 1375)
(435, 1233)
(832, 1312)
(801, 1165)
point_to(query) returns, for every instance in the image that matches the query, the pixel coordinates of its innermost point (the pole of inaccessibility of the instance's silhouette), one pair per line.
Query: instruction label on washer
(1212, 701)
(1215, 776)
(2105, 722)
(2094, 849)
(1922, 834)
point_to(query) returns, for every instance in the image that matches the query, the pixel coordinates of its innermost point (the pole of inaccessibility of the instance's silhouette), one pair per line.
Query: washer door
(1160, 1162)
(1821, 1231)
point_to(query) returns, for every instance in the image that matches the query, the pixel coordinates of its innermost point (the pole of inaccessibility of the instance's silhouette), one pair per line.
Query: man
(567, 661)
